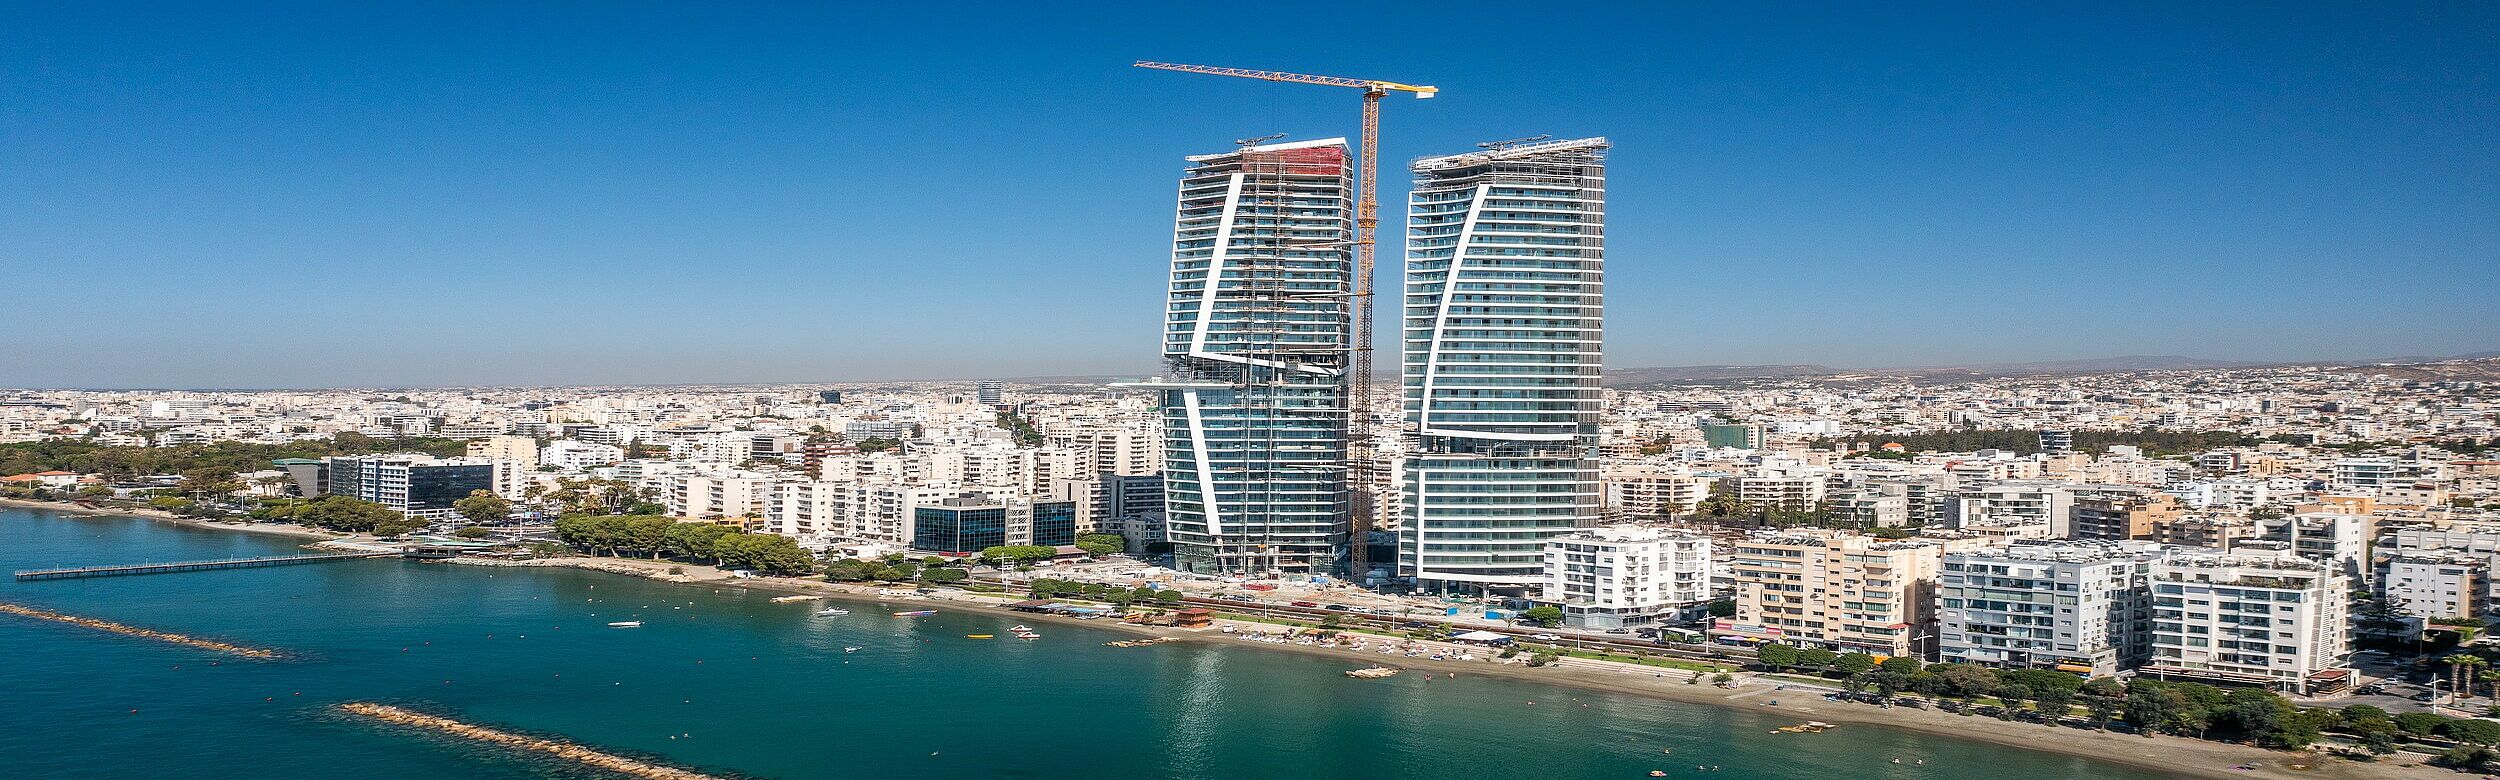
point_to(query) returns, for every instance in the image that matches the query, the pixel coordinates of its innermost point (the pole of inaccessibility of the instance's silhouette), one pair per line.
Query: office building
(989, 392)
(420, 486)
(1504, 303)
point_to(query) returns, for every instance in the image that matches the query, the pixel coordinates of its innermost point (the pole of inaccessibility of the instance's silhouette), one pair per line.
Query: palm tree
(2459, 666)
(2490, 678)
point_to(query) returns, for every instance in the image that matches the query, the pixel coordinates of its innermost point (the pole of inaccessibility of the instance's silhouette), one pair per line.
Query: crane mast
(1361, 446)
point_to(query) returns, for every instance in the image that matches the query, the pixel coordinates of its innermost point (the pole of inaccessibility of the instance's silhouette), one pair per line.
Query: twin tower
(1502, 341)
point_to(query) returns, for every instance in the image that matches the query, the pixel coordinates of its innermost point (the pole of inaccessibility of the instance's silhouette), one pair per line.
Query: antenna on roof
(1501, 145)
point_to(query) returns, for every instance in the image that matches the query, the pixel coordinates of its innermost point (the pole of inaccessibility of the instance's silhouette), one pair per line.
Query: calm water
(763, 689)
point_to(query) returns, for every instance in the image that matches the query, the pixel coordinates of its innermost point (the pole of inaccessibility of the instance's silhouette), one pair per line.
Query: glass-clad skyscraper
(1255, 344)
(1505, 300)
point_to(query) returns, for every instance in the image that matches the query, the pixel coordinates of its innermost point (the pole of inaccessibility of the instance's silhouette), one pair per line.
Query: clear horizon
(308, 196)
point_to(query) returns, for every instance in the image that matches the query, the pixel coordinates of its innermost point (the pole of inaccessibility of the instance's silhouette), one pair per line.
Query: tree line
(120, 462)
(1970, 439)
(2149, 706)
(656, 536)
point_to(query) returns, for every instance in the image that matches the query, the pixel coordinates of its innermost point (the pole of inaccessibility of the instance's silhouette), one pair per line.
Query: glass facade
(948, 529)
(1054, 523)
(1504, 311)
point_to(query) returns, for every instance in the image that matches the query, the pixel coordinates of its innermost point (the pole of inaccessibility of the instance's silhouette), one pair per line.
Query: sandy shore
(2176, 756)
(274, 529)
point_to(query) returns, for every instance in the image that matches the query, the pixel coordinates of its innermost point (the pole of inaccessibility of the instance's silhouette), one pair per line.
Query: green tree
(770, 554)
(1963, 681)
(849, 570)
(474, 532)
(1815, 657)
(209, 482)
(946, 575)
(1776, 656)
(646, 534)
(695, 540)
(1100, 545)
(2480, 732)
(1854, 663)
(1723, 608)
(1014, 554)
(484, 508)
(2420, 724)
(2151, 708)
(1901, 665)
(341, 513)
(1542, 615)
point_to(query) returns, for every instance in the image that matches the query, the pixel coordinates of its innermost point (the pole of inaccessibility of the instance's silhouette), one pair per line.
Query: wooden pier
(168, 568)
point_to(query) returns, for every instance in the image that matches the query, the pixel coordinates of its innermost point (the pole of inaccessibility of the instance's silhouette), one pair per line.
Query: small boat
(833, 611)
(1020, 629)
(788, 599)
(916, 613)
(980, 636)
(626, 624)
(1028, 635)
(852, 649)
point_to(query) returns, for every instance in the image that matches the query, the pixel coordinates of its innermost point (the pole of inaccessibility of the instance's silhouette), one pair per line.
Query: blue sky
(338, 195)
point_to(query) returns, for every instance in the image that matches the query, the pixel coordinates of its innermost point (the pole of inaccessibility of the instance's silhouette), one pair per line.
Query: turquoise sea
(723, 680)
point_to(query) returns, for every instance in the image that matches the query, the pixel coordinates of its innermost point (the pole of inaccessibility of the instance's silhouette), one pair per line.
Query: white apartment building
(2432, 586)
(2342, 540)
(1869, 507)
(2011, 504)
(2365, 475)
(2278, 621)
(1779, 489)
(718, 494)
(571, 455)
(2076, 606)
(1625, 575)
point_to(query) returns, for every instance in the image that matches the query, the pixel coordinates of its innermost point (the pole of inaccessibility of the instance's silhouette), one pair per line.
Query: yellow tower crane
(1359, 442)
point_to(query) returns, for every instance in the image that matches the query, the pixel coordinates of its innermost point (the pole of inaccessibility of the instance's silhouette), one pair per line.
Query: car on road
(1306, 603)
(1545, 637)
(1339, 607)
(1618, 630)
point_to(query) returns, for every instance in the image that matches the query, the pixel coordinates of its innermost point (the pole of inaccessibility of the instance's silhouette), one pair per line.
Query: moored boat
(916, 613)
(626, 624)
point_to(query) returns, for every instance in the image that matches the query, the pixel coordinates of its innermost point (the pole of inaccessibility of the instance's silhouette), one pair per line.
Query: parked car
(1306, 603)
(1339, 607)
(1545, 637)
(1618, 630)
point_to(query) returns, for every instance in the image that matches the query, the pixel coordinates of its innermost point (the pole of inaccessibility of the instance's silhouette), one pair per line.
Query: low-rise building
(1620, 576)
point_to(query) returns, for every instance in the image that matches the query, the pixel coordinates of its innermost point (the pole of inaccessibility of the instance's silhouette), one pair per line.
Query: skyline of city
(1802, 180)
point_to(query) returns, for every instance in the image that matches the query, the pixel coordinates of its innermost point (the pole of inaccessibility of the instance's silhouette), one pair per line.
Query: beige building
(1641, 490)
(1835, 589)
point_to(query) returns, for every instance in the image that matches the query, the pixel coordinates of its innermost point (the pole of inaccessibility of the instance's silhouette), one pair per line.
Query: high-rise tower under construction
(1255, 346)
